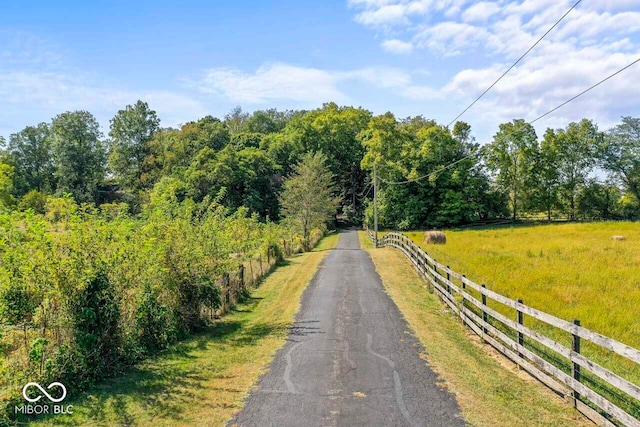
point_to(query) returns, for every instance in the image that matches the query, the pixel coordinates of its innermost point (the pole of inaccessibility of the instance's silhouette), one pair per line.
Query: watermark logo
(43, 407)
(43, 391)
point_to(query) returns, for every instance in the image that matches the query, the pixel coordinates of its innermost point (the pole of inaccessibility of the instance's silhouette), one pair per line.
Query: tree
(130, 133)
(545, 178)
(236, 120)
(30, 152)
(619, 154)
(510, 157)
(575, 147)
(79, 155)
(6, 185)
(307, 198)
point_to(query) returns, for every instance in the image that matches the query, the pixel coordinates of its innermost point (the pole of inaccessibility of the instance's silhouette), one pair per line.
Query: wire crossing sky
(573, 98)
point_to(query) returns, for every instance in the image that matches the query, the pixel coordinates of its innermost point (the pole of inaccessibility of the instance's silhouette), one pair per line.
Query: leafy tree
(267, 121)
(79, 155)
(545, 178)
(35, 201)
(619, 154)
(575, 147)
(130, 133)
(236, 120)
(6, 185)
(172, 151)
(598, 201)
(30, 153)
(510, 156)
(307, 198)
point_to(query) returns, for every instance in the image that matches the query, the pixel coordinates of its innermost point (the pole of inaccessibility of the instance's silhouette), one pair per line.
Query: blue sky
(430, 57)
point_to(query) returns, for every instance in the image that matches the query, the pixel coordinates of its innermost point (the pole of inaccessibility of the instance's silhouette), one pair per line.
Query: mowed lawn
(573, 271)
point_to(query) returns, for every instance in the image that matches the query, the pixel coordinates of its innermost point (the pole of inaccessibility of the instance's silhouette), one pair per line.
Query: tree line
(577, 172)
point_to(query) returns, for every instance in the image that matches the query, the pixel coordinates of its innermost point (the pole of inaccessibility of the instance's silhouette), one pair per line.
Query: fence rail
(508, 337)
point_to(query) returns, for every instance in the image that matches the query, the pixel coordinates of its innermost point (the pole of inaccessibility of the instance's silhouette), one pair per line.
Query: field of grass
(203, 381)
(573, 271)
(490, 391)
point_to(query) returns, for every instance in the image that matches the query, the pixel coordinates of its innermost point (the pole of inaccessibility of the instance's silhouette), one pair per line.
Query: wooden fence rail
(497, 329)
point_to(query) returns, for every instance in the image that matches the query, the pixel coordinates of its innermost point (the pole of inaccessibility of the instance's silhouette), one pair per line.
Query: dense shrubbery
(85, 291)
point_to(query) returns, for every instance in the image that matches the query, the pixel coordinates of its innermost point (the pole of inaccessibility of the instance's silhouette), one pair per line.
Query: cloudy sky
(429, 57)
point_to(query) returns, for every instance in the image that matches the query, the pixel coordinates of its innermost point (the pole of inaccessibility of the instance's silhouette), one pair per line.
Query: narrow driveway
(350, 359)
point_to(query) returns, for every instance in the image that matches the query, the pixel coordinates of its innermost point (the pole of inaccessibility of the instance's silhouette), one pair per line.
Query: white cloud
(594, 40)
(272, 82)
(480, 11)
(397, 46)
(450, 38)
(275, 82)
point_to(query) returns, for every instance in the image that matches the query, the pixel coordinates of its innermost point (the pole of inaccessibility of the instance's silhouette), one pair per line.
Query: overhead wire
(516, 129)
(509, 69)
(515, 63)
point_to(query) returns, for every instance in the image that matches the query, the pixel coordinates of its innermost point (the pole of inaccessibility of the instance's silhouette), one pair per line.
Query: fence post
(260, 260)
(520, 321)
(485, 318)
(241, 275)
(575, 368)
(251, 272)
(448, 279)
(464, 285)
(225, 282)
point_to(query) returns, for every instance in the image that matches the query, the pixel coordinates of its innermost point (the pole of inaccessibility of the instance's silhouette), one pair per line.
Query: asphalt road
(350, 359)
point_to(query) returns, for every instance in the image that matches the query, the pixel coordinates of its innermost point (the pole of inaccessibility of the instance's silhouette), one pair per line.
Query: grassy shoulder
(203, 380)
(490, 390)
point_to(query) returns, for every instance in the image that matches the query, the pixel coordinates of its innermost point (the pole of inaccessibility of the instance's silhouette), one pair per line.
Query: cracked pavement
(350, 359)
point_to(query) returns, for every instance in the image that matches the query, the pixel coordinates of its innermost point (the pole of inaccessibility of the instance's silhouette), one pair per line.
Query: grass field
(202, 381)
(568, 270)
(573, 271)
(490, 391)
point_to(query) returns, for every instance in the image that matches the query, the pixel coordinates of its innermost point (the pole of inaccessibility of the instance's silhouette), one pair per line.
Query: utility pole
(375, 202)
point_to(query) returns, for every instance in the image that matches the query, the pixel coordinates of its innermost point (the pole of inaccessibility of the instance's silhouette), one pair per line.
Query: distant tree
(576, 148)
(79, 154)
(236, 120)
(307, 198)
(130, 132)
(35, 201)
(6, 185)
(545, 178)
(510, 158)
(267, 121)
(619, 154)
(598, 201)
(30, 152)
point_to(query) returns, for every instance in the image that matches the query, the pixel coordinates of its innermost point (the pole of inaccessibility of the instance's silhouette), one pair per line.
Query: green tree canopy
(307, 198)
(130, 132)
(510, 156)
(79, 154)
(30, 152)
(619, 154)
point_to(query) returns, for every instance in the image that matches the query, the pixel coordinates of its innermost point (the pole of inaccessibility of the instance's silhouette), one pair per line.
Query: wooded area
(578, 172)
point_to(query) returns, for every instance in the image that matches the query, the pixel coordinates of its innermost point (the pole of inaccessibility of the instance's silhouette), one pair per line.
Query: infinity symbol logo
(53, 399)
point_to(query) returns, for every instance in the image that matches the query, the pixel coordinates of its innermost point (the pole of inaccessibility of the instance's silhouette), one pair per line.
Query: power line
(515, 63)
(509, 69)
(516, 129)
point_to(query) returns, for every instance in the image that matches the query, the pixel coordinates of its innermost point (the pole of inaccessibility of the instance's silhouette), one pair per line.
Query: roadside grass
(203, 381)
(491, 391)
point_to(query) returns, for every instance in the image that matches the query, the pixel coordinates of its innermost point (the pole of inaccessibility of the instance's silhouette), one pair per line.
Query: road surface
(350, 359)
